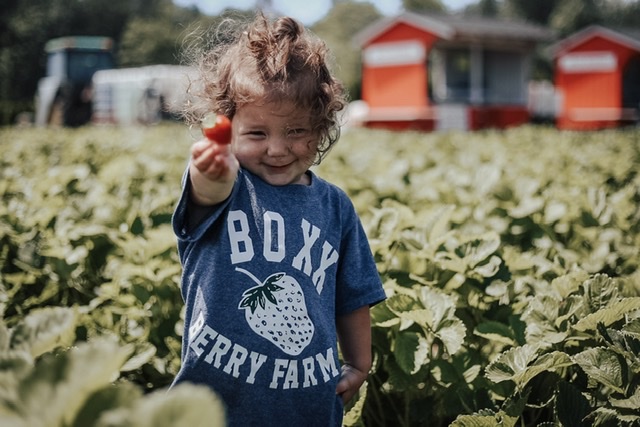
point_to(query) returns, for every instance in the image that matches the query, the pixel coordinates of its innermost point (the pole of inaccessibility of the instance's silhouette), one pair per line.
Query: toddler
(277, 269)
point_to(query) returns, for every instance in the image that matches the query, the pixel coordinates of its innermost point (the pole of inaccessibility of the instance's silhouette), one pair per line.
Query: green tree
(622, 14)
(488, 8)
(337, 28)
(574, 15)
(156, 39)
(538, 11)
(424, 6)
(25, 27)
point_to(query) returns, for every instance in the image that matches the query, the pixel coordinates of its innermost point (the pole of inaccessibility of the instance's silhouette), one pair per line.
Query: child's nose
(278, 146)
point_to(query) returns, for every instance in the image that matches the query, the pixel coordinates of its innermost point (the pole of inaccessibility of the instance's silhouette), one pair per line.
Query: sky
(306, 11)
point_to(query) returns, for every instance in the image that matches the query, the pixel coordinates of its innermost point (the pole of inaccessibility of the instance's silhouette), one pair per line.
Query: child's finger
(203, 159)
(201, 146)
(345, 388)
(217, 168)
(204, 152)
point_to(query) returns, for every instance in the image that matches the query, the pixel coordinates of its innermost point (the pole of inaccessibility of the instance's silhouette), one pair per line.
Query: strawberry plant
(44, 381)
(468, 236)
(510, 260)
(92, 230)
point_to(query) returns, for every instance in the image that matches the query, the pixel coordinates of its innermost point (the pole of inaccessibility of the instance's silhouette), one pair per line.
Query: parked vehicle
(64, 95)
(83, 85)
(140, 95)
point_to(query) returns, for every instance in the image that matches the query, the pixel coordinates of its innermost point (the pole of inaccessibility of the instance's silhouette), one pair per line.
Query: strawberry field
(511, 261)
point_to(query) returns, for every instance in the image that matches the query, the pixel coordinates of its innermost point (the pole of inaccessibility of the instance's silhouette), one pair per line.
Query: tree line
(155, 31)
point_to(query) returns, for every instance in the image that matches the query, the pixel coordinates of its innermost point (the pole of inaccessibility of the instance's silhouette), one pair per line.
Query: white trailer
(142, 95)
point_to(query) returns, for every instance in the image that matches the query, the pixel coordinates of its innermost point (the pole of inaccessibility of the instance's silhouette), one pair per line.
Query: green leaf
(604, 366)
(440, 305)
(485, 418)
(4, 336)
(475, 421)
(184, 405)
(489, 268)
(144, 352)
(445, 373)
(515, 405)
(107, 399)
(480, 249)
(569, 283)
(411, 351)
(571, 405)
(44, 329)
(495, 332)
(401, 302)
(632, 402)
(511, 363)
(56, 390)
(452, 332)
(626, 343)
(571, 307)
(540, 317)
(353, 414)
(438, 225)
(604, 417)
(609, 314)
(14, 365)
(399, 381)
(600, 290)
(383, 317)
(521, 365)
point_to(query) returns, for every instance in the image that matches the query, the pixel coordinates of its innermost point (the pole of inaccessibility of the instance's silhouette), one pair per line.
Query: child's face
(274, 141)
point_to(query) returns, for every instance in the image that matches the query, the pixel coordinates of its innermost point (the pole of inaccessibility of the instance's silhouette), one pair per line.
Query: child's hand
(213, 171)
(214, 160)
(350, 381)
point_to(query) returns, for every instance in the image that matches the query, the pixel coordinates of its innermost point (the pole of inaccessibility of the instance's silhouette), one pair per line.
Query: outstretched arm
(354, 337)
(213, 170)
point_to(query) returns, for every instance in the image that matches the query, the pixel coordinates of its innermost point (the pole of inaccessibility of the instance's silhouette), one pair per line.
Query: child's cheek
(243, 152)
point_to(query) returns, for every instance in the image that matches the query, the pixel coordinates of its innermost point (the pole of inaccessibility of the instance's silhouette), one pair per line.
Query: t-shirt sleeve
(358, 282)
(189, 221)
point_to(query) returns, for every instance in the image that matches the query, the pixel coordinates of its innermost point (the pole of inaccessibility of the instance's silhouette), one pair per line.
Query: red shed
(597, 78)
(446, 72)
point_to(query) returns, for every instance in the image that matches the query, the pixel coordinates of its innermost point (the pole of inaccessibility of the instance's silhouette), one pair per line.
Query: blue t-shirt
(264, 276)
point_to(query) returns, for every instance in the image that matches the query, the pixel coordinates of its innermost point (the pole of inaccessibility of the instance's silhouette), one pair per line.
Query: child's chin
(281, 179)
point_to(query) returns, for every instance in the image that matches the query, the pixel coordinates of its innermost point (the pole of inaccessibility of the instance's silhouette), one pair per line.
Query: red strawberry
(217, 128)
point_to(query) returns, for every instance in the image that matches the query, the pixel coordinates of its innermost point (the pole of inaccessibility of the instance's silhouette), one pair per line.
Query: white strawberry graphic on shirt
(276, 310)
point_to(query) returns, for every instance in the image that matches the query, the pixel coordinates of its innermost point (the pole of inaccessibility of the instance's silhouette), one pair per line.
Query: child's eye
(297, 132)
(256, 134)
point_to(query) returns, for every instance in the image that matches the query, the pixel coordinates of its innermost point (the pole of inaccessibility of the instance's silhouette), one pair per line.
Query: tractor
(64, 95)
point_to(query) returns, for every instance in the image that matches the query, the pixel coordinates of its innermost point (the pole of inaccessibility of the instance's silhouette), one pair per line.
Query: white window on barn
(394, 53)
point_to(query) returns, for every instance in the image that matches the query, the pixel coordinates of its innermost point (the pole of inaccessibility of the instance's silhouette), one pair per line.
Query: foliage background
(494, 246)
(511, 261)
(154, 32)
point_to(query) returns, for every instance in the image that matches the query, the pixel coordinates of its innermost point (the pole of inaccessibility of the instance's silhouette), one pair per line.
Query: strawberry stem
(248, 273)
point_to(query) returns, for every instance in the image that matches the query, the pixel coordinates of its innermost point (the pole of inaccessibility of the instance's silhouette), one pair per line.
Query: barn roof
(458, 28)
(629, 37)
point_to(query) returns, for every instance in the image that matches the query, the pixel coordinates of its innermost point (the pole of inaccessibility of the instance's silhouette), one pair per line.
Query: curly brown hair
(268, 61)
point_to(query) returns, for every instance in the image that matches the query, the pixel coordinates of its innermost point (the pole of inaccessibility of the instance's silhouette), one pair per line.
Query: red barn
(446, 72)
(597, 78)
